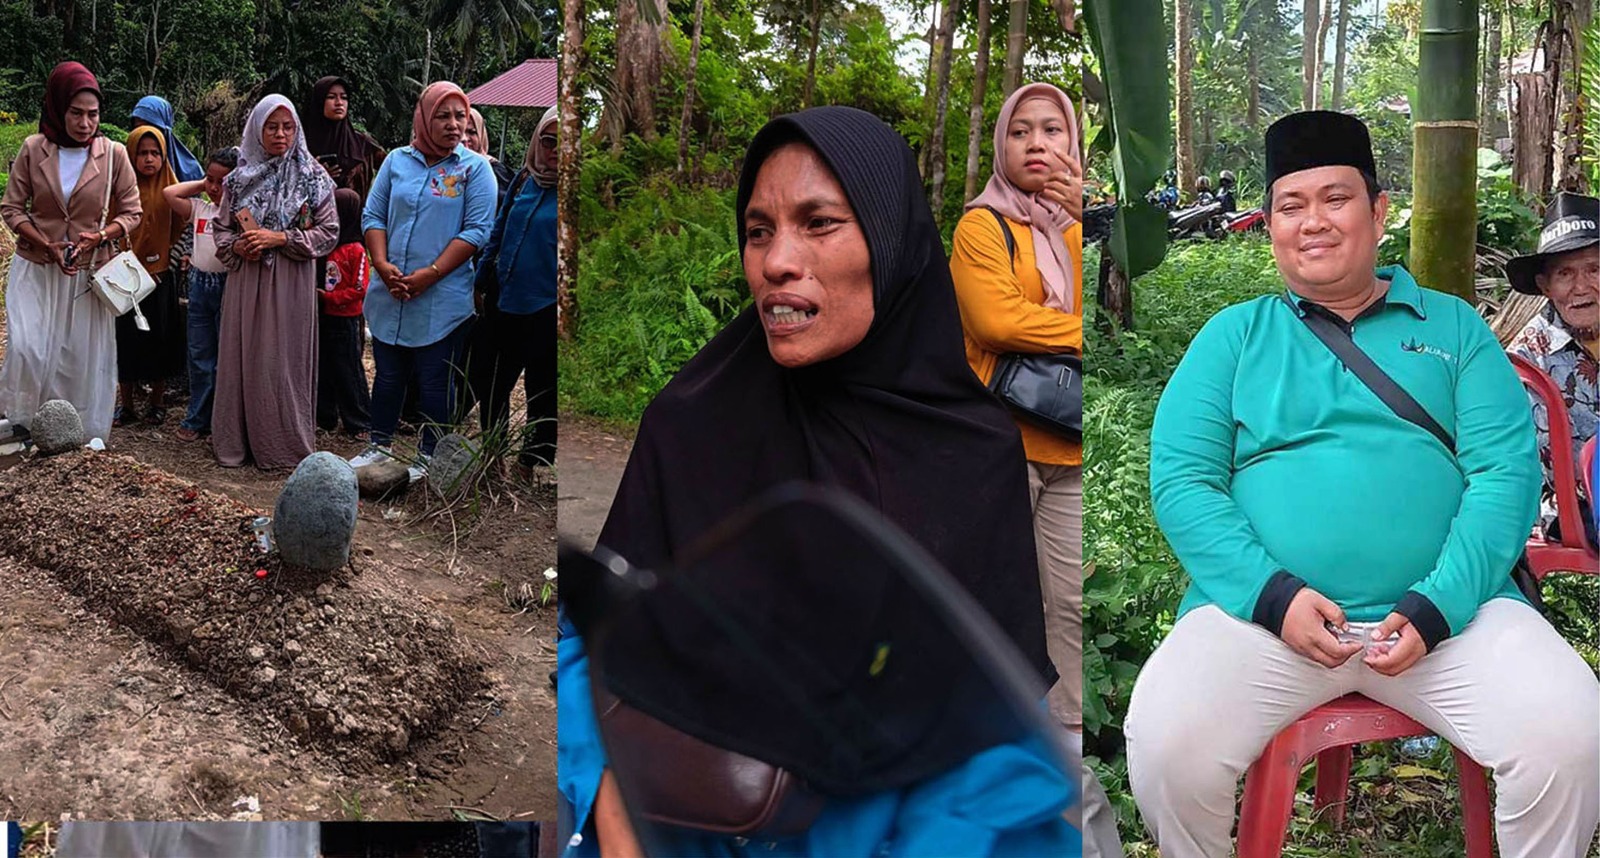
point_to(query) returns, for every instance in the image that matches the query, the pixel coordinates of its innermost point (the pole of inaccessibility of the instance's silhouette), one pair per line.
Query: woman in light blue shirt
(430, 208)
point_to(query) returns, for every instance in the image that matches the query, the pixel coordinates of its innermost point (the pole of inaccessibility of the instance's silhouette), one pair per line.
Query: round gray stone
(315, 517)
(455, 460)
(57, 428)
(383, 479)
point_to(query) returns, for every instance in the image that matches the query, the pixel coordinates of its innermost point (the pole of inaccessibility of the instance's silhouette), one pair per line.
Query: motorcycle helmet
(1170, 177)
(1226, 179)
(1202, 184)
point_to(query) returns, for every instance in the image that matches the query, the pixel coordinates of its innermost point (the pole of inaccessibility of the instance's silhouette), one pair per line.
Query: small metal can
(261, 526)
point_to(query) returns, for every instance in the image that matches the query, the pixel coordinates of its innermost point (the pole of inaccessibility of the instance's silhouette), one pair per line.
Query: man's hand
(1305, 632)
(1395, 659)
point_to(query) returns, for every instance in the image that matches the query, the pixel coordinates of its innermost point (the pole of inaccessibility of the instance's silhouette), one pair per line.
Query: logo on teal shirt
(1422, 348)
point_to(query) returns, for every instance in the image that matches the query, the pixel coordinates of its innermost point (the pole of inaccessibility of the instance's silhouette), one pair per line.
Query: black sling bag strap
(1393, 395)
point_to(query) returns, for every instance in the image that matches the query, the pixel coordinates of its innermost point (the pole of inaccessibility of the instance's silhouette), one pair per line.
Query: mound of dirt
(360, 669)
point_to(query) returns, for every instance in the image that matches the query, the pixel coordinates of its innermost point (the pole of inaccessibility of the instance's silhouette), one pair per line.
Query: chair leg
(1333, 783)
(1477, 814)
(1268, 800)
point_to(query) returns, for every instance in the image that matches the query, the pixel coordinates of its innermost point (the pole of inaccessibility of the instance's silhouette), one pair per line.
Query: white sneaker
(373, 455)
(418, 470)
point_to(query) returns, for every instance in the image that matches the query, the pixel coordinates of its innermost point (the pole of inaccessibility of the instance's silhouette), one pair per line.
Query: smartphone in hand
(246, 219)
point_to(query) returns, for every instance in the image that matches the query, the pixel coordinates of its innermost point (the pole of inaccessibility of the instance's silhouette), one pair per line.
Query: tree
(941, 106)
(1319, 64)
(506, 23)
(1016, 45)
(631, 109)
(1490, 128)
(1444, 213)
(811, 53)
(1183, 30)
(688, 89)
(1339, 52)
(567, 166)
(1308, 55)
(980, 85)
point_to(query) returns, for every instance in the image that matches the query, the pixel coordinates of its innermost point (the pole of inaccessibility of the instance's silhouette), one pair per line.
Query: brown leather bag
(692, 784)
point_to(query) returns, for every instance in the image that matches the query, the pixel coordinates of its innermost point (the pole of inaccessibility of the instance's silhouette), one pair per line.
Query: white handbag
(122, 282)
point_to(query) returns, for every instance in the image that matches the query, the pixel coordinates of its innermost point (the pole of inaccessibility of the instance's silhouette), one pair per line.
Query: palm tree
(508, 23)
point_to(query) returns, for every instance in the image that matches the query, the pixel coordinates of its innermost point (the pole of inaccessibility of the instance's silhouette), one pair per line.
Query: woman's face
(336, 104)
(148, 158)
(278, 134)
(448, 124)
(806, 260)
(547, 144)
(470, 137)
(1038, 128)
(83, 116)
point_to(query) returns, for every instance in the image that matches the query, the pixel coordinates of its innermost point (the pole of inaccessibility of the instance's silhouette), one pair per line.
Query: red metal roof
(534, 83)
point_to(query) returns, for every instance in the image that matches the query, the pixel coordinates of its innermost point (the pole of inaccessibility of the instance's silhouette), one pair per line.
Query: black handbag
(1044, 389)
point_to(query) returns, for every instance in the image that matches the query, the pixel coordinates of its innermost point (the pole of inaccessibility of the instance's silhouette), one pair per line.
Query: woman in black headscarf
(351, 157)
(848, 372)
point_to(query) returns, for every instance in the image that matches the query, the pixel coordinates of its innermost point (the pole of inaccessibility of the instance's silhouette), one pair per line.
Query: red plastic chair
(1329, 732)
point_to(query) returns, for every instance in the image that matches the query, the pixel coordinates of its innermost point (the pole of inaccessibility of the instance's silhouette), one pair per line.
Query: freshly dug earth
(363, 671)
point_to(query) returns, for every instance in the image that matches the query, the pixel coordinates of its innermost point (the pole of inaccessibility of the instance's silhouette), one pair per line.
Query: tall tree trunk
(1490, 127)
(1016, 45)
(1339, 41)
(941, 108)
(1530, 134)
(929, 88)
(687, 121)
(1320, 65)
(980, 86)
(1570, 175)
(1183, 34)
(811, 54)
(567, 167)
(1252, 114)
(1444, 212)
(1308, 54)
(632, 108)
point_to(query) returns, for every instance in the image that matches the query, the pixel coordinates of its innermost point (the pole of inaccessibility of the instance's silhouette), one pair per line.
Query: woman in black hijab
(351, 157)
(849, 372)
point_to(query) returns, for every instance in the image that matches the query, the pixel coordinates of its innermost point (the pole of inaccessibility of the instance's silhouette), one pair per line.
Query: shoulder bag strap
(1011, 240)
(1373, 376)
(111, 180)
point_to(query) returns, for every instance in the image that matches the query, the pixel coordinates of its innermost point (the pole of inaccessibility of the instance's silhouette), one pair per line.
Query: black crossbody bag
(1402, 404)
(1043, 389)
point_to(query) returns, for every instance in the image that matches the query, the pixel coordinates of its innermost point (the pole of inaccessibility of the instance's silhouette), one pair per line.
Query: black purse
(1044, 389)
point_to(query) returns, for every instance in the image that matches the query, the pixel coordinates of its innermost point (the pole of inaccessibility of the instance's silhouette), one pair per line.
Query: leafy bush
(1505, 222)
(653, 288)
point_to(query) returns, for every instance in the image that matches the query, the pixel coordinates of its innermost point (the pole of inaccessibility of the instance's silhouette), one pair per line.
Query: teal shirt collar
(1403, 291)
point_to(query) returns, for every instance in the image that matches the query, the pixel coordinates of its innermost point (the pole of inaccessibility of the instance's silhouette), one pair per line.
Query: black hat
(1318, 138)
(1571, 223)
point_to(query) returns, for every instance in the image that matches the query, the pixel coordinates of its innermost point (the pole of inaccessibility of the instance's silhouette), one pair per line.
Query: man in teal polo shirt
(1299, 502)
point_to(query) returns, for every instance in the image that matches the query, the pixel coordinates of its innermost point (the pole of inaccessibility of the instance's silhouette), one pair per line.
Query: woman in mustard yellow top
(1030, 302)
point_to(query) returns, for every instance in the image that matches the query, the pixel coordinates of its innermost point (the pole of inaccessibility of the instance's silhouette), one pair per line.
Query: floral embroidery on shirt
(448, 184)
(1546, 342)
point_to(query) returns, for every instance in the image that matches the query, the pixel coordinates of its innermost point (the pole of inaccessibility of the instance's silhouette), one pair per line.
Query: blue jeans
(205, 320)
(434, 368)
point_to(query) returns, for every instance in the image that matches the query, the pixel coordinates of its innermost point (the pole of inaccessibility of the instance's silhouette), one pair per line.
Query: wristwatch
(102, 236)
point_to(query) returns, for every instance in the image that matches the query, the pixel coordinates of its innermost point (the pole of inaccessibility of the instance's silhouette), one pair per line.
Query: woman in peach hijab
(430, 209)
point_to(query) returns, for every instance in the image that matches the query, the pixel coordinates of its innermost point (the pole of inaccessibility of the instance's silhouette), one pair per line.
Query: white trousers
(1508, 691)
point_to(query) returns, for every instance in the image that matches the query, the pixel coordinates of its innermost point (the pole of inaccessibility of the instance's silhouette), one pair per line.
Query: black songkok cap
(1318, 138)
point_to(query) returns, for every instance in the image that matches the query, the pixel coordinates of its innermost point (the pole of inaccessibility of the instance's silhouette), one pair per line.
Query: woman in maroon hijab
(63, 343)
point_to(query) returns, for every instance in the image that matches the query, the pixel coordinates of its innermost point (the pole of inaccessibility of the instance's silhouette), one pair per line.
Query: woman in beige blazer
(61, 340)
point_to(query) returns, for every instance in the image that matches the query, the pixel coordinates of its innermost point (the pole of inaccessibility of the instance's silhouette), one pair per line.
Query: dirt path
(591, 461)
(99, 723)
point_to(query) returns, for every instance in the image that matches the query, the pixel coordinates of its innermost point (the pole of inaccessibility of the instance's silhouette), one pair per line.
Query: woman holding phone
(350, 156)
(276, 217)
(62, 342)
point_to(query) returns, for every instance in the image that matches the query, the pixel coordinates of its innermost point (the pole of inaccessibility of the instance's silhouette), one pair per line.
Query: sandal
(184, 433)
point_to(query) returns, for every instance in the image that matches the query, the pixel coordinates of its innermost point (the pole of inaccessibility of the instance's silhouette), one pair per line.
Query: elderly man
(1564, 340)
(1354, 449)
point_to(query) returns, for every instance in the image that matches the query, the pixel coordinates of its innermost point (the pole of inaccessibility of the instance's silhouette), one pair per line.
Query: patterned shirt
(1546, 342)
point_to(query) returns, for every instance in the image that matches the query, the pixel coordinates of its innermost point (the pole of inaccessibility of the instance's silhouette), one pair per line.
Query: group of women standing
(278, 240)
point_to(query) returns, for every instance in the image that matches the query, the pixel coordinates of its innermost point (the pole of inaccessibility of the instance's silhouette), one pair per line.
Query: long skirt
(61, 344)
(159, 353)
